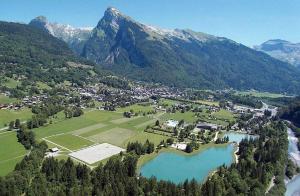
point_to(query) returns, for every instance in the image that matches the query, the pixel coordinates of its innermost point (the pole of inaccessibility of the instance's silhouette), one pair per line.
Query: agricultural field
(5, 99)
(186, 116)
(96, 127)
(136, 108)
(10, 115)
(224, 115)
(11, 152)
(209, 103)
(260, 94)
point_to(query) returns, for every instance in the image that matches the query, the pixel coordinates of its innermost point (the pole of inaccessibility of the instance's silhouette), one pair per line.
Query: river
(293, 186)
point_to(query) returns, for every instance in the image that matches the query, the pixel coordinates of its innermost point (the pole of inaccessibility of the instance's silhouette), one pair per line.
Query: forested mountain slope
(184, 58)
(28, 52)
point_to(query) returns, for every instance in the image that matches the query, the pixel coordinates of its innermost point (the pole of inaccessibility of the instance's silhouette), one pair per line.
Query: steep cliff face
(74, 37)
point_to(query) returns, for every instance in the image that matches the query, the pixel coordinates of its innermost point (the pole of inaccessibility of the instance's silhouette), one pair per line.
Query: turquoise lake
(177, 168)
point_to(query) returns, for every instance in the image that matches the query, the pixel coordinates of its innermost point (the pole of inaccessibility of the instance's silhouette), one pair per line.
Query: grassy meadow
(94, 127)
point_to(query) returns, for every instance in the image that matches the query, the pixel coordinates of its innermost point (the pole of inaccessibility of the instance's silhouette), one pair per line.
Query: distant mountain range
(181, 58)
(74, 37)
(282, 50)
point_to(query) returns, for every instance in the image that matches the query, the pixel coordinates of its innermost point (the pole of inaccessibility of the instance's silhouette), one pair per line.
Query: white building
(172, 123)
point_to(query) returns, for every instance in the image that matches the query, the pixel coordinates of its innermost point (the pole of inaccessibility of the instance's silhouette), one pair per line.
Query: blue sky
(246, 21)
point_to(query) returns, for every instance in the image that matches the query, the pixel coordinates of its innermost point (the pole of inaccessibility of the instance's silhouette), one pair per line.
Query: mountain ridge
(281, 49)
(183, 58)
(74, 37)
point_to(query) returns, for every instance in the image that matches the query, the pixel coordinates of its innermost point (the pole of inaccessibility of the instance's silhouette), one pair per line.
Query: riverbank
(292, 185)
(236, 156)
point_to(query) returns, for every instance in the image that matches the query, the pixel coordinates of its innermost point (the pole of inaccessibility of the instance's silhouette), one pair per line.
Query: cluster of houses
(25, 102)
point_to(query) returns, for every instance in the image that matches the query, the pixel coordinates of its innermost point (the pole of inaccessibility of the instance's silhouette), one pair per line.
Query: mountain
(183, 58)
(30, 53)
(282, 50)
(74, 37)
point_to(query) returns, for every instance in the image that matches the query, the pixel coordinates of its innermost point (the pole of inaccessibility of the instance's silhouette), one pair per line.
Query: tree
(157, 123)
(170, 141)
(17, 123)
(189, 148)
(11, 125)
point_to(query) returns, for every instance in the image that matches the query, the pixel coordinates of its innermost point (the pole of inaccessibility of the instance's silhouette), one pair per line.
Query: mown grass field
(10, 115)
(186, 116)
(136, 108)
(260, 94)
(71, 142)
(11, 152)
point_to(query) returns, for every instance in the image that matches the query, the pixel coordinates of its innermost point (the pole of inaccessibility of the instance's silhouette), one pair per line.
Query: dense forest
(27, 52)
(259, 161)
(291, 112)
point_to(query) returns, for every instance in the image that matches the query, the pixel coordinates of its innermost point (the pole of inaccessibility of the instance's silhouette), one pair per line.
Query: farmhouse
(208, 126)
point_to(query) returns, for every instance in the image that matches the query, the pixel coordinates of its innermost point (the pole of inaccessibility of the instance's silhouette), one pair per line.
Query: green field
(186, 116)
(10, 115)
(70, 142)
(261, 94)
(11, 152)
(116, 136)
(209, 103)
(11, 83)
(135, 108)
(224, 114)
(95, 126)
(4, 99)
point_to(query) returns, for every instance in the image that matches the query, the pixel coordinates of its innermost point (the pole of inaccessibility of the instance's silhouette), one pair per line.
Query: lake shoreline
(144, 159)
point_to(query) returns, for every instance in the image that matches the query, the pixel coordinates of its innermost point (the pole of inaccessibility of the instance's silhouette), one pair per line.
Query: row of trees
(222, 140)
(139, 148)
(26, 137)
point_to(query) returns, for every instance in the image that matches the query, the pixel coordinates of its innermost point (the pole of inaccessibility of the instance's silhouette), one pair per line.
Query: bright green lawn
(116, 136)
(10, 115)
(186, 116)
(143, 136)
(11, 152)
(67, 125)
(70, 141)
